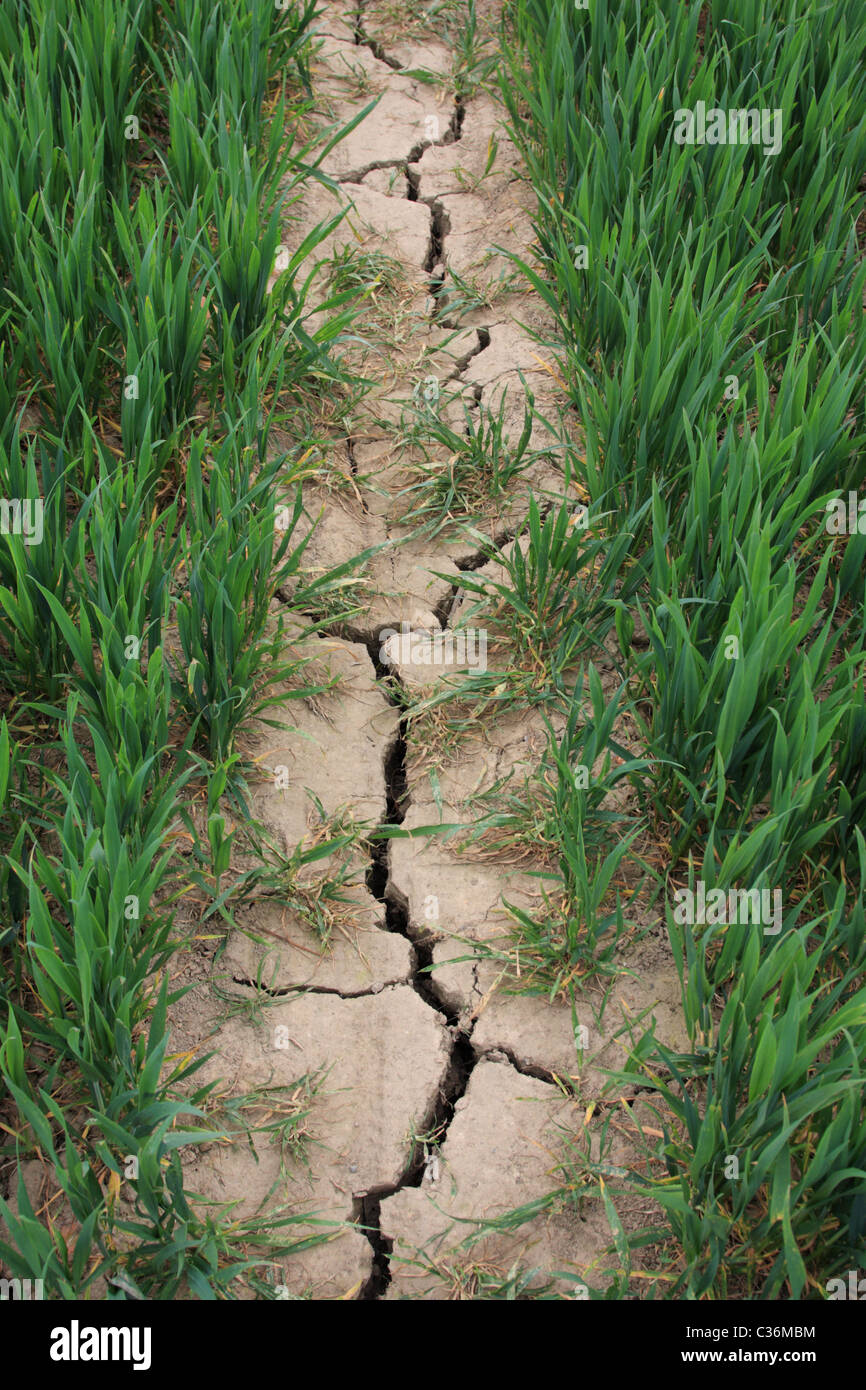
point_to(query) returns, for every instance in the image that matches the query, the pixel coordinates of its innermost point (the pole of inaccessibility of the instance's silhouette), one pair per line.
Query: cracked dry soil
(440, 1099)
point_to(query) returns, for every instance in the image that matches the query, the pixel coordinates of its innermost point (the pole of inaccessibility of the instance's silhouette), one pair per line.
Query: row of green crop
(148, 161)
(709, 308)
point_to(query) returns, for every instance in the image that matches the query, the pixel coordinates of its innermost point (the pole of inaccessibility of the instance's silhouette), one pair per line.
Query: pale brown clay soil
(491, 1080)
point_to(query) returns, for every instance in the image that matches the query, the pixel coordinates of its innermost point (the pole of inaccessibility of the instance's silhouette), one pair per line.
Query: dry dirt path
(440, 1098)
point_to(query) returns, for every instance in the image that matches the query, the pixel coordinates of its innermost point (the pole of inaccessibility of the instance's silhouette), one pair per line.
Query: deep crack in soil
(434, 1128)
(462, 1059)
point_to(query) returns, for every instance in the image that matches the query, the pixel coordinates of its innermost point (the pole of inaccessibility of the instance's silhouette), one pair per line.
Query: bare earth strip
(494, 1082)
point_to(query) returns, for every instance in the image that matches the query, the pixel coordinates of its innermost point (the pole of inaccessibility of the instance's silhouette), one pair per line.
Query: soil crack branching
(364, 40)
(462, 1058)
(368, 1217)
(291, 991)
(538, 1073)
(461, 364)
(379, 873)
(439, 229)
(353, 465)
(433, 1130)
